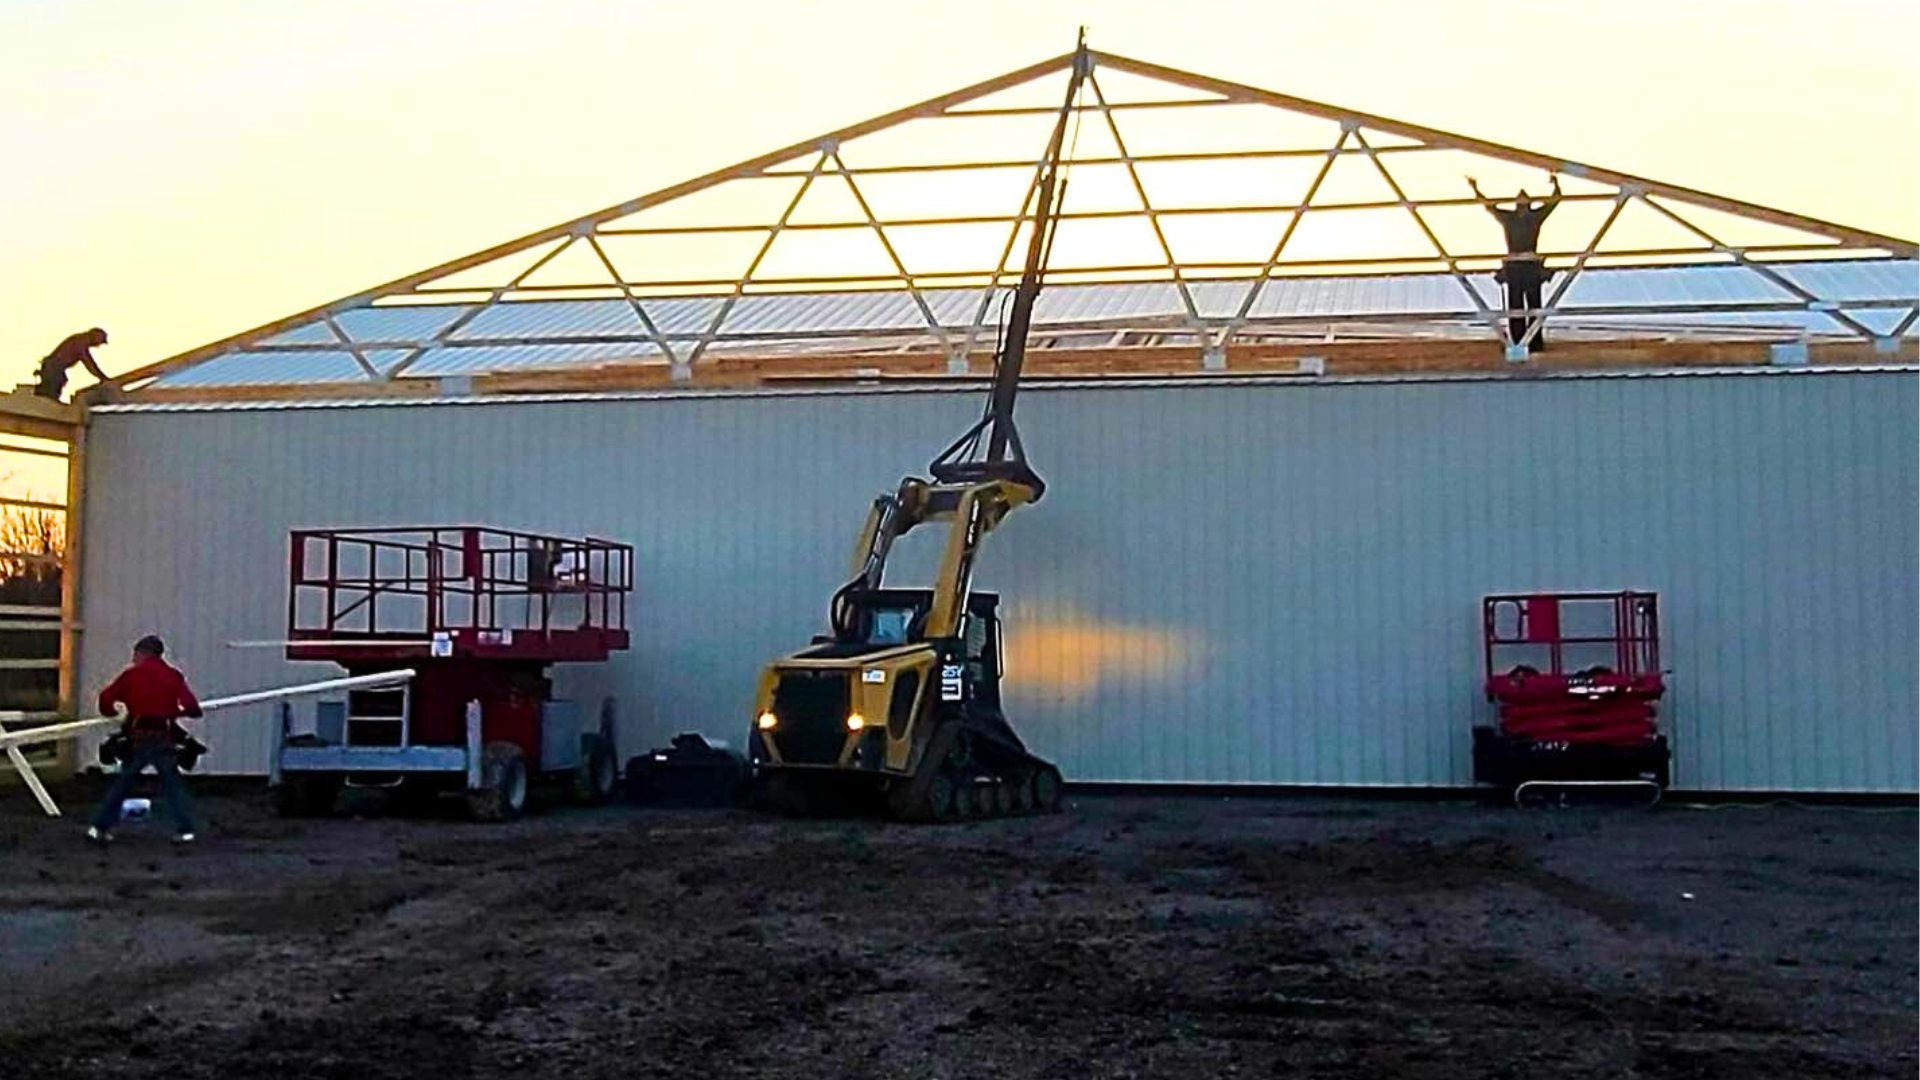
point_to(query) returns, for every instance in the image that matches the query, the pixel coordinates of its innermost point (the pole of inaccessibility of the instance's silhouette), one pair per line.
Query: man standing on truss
(1522, 270)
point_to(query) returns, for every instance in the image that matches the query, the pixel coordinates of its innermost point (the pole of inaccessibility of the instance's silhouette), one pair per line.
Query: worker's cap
(150, 645)
(98, 335)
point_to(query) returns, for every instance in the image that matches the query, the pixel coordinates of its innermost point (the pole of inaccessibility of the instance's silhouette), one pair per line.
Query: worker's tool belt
(1527, 269)
(150, 728)
(119, 746)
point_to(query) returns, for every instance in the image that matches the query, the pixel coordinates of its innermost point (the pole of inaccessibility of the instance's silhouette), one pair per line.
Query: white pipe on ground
(75, 728)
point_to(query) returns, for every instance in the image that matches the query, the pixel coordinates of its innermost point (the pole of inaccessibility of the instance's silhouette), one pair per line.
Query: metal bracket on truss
(1788, 353)
(1214, 357)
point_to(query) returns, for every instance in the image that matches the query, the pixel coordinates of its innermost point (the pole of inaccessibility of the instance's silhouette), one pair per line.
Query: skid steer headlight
(855, 722)
(768, 721)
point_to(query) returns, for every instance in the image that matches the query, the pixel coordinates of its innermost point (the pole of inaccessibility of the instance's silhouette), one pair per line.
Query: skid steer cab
(481, 615)
(917, 718)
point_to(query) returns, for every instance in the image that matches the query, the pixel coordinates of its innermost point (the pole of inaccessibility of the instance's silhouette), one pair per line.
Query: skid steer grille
(812, 707)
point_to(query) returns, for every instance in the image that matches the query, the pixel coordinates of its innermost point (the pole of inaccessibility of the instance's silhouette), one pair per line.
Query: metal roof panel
(763, 319)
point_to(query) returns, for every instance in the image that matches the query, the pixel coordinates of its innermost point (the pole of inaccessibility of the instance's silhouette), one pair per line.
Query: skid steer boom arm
(984, 473)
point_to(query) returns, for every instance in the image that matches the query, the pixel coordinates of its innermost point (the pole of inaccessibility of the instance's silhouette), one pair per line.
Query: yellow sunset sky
(178, 171)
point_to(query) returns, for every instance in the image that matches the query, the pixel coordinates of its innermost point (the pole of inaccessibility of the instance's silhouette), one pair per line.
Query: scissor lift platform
(1576, 679)
(389, 594)
(480, 613)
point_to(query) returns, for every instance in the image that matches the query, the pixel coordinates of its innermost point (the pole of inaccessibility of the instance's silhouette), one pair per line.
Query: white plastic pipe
(360, 643)
(75, 728)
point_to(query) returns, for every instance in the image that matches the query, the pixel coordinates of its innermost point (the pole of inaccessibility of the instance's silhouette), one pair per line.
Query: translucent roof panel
(495, 340)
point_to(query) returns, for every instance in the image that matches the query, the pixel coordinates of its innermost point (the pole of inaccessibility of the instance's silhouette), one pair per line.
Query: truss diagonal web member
(938, 165)
(759, 256)
(919, 300)
(1814, 303)
(1146, 205)
(639, 311)
(1453, 264)
(446, 333)
(1295, 215)
(1539, 318)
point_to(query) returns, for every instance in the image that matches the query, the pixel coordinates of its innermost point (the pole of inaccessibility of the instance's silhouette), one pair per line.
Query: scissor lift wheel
(502, 794)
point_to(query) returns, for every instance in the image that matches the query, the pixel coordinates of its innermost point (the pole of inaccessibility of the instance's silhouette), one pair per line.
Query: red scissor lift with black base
(480, 614)
(1576, 678)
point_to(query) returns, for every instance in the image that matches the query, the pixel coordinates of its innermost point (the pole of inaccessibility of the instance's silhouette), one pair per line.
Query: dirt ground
(1125, 937)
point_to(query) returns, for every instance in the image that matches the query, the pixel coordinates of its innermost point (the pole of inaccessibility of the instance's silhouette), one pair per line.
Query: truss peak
(1197, 210)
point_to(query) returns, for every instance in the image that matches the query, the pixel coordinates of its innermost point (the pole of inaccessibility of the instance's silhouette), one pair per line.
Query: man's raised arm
(1553, 200)
(1485, 203)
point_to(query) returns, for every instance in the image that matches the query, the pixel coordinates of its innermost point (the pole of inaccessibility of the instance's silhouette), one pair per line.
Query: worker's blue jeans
(139, 756)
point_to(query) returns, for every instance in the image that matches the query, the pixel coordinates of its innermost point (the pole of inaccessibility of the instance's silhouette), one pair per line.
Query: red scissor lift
(1576, 678)
(480, 614)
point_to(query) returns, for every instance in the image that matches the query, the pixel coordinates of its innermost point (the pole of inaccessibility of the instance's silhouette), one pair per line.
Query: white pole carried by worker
(12, 741)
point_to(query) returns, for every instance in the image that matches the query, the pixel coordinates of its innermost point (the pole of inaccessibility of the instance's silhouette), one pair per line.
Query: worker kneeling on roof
(156, 696)
(74, 350)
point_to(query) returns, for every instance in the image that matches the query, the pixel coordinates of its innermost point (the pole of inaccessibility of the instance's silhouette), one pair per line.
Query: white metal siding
(1245, 583)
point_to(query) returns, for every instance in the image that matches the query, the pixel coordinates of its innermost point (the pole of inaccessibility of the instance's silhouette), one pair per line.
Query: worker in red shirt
(156, 697)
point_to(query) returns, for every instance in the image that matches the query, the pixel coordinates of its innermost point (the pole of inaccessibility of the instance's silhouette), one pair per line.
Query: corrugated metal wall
(1235, 583)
